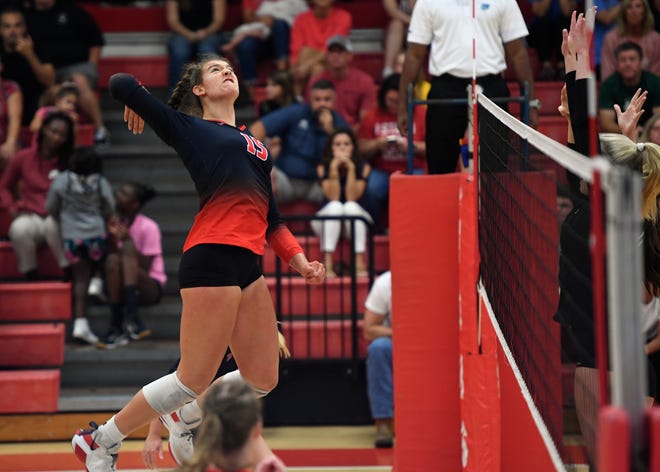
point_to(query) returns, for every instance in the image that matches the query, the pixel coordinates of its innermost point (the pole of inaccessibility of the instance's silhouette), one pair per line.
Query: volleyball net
(538, 225)
(476, 268)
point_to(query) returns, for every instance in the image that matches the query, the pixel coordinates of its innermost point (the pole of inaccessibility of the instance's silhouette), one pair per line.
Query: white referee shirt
(448, 27)
(379, 300)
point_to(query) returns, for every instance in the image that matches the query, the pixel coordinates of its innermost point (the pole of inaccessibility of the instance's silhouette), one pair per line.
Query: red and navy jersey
(230, 169)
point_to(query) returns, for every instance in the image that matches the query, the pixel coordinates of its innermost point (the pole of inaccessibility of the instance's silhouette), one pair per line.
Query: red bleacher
(9, 265)
(32, 345)
(322, 339)
(29, 301)
(29, 391)
(301, 299)
(312, 247)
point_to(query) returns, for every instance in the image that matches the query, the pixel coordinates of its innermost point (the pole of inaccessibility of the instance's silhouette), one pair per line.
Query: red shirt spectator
(356, 90)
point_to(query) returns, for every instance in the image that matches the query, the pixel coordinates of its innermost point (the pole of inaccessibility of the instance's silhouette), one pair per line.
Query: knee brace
(167, 393)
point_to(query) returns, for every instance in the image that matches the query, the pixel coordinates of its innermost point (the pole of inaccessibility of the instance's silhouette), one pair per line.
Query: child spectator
(310, 33)
(81, 200)
(135, 271)
(11, 113)
(36, 167)
(343, 175)
(66, 100)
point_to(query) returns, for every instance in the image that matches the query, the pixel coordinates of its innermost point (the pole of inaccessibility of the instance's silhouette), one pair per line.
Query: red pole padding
(653, 421)
(613, 449)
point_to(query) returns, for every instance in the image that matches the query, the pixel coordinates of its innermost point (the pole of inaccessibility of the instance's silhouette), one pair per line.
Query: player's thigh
(207, 320)
(254, 341)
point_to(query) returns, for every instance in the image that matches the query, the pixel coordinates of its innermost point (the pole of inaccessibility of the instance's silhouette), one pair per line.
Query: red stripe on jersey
(238, 219)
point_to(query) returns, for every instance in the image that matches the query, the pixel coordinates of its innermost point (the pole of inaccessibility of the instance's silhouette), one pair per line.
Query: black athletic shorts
(218, 265)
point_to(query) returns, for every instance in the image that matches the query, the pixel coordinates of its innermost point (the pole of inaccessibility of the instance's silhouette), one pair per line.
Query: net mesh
(525, 193)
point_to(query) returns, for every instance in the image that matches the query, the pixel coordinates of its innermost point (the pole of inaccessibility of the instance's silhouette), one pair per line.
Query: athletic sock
(109, 435)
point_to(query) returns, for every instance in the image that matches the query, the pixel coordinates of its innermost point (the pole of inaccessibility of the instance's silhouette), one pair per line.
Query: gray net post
(625, 269)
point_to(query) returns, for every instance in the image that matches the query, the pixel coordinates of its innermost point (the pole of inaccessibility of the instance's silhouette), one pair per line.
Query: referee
(447, 27)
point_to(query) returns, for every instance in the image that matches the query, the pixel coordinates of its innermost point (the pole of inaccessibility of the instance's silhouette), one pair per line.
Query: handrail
(413, 102)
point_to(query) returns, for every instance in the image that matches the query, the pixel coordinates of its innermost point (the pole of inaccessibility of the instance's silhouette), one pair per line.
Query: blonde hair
(231, 410)
(643, 157)
(182, 97)
(622, 23)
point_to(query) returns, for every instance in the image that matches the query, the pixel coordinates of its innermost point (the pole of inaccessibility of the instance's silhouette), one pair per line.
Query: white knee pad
(167, 393)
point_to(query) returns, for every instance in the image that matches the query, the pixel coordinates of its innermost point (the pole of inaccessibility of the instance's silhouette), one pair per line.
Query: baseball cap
(341, 41)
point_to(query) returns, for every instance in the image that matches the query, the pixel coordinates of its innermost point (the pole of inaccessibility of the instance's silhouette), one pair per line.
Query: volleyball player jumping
(225, 297)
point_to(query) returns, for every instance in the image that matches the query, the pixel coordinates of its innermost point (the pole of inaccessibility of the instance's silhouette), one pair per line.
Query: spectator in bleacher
(134, 269)
(549, 18)
(651, 130)
(448, 32)
(35, 168)
(303, 129)
(399, 12)
(195, 26)
(310, 33)
(635, 24)
(67, 36)
(20, 62)
(266, 34)
(381, 143)
(620, 87)
(355, 89)
(81, 200)
(377, 330)
(607, 13)
(11, 113)
(65, 101)
(279, 93)
(343, 175)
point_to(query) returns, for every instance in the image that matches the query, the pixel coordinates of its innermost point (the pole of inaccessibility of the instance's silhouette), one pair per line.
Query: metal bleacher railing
(412, 102)
(323, 322)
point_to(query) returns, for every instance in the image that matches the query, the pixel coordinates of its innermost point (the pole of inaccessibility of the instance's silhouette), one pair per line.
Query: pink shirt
(307, 30)
(355, 93)
(145, 234)
(36, 173)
